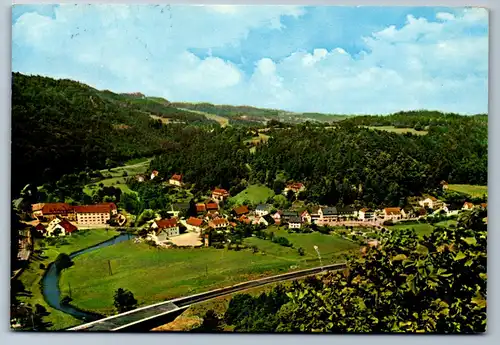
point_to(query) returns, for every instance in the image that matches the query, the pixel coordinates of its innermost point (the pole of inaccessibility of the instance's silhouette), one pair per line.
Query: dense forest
(62, 126)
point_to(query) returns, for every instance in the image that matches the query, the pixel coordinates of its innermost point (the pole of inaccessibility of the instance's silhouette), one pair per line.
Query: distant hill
(63, 126)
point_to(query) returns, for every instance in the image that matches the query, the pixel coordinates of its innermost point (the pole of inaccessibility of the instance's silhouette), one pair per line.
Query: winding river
(50, 282)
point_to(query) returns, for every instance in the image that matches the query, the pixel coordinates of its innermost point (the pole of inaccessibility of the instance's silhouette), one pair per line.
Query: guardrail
(137, 316)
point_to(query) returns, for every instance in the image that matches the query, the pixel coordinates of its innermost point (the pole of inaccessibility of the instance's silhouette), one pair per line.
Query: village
(210, 220)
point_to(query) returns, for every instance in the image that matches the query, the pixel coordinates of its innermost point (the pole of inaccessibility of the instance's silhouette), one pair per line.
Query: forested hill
(62, 126)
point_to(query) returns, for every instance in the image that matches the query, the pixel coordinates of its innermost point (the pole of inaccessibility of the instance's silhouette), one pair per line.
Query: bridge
(149, 317)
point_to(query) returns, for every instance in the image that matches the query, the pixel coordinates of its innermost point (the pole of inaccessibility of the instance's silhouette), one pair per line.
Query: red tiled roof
(56, 208)
(68, 227)
(40, 226)
(305, 213)
(176, 177)
(468, 204)
(241, 210)
(200, 208)
(220, 191)
(363, 209)
(392, 210)
(194, 221)
(99, 208)
(166, 223)
(244, 219)
(212, 206)
(37, 207)
(484, 205)
(111, 205)
(154, 172)
(218, 221)
(432, 198)
(295, 186)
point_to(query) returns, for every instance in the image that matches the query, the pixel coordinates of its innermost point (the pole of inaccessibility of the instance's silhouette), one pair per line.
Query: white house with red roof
(61, 226)
(98, 214)
(176, 180)
(194, 223)
(295, 187)
(306, 217)
(392, 213)
(154, 173)
(219, 194)
(165, 228)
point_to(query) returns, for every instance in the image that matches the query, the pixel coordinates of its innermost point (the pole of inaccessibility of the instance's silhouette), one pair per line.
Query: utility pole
(109, 267)
(319, 256)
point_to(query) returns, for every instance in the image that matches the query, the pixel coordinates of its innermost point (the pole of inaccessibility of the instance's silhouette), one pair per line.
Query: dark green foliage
(124, 300)
(282, 241)
(301, 251)
(211, 323)
(62, 126)
(63, 261)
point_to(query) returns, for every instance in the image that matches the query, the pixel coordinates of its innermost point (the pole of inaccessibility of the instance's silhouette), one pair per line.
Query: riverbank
(33, 275)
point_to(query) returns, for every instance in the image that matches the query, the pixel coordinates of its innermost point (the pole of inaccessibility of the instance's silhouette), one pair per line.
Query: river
(50, 282)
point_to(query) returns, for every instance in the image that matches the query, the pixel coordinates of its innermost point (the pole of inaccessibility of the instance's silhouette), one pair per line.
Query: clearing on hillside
(472, 190)
(254, 194)
(223, 121)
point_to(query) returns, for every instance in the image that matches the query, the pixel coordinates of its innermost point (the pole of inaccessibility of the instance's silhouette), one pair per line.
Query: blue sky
(345, 60)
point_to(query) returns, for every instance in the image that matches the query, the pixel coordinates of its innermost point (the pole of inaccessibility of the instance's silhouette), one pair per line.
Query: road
(146, 318)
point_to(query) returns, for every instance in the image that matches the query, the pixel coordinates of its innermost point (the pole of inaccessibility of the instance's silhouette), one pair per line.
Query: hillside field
(472, 190)
(254, 194)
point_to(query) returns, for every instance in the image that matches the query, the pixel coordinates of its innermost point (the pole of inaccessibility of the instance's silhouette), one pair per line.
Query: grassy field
(116, 178)
(397, 130)
(155, 275)
(446, 223)
(421, 228)
(223, 121)
(255, 140)
(32, 276)
(472, 190)
(254, 194)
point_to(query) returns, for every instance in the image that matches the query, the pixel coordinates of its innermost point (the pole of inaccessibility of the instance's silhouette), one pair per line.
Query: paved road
(134, 318)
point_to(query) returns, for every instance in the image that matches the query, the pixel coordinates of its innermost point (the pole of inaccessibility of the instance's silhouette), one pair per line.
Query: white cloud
(422, 64)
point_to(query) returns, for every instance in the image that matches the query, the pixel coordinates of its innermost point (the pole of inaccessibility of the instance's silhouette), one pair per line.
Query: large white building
(95, 214)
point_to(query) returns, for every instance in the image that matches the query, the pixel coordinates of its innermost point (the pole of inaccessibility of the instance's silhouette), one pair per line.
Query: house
(444, 185)
(277, 217)
(431, 202)
(244, 219)
(306, 217)
(294, 187)
(407, 212)
(468, 206)
(286, 215)
(366, 214)
(421, 212)
(41, 229)
(392, 213)
(327, 215)
(154, 173)
(451, 209)
(176, 180)
(240, 210)
(266, 220)
(219, 194)
(61, 226)
(53, 210)
(140, 178)
(201, 208)
(177, 208)
(346, 212)
(211, 206)
(194, 223)
(165, 228)
(294, 223)
(315, 213)
(219, 223)
(98, 214)
(484, 205)
(262, 209)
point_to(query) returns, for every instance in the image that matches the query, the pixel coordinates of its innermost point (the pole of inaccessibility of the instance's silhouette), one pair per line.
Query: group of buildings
(59, 219)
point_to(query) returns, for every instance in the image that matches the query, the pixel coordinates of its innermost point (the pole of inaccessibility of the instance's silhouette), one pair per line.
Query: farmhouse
(468, 206)
(60, 227)
(244, 219)
(176, 180)
(306, 217)
(392, 213)
(240, 210)
(295, 223)
(266, 220)
(194, 223)
(200, 208)
(315, 213)
(95, 214)
(165, 228)
(277, 217)
(452, 209)
(286, 215)
(407, 212)
(52, 210)
(294, 187)
(219, 223)
(211, 206)
(154, 173)
(444, 185)
(431, 202)
(484, 205)
(366, 214)
(219, 194)
(41, 229)
(263, 209)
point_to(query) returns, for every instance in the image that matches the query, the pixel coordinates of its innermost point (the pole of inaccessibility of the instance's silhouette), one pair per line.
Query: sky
(338, 60)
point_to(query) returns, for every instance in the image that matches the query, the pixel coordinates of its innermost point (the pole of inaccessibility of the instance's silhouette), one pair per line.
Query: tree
(124, 300)
(211, 323)
(63, 261)
(301, 251)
